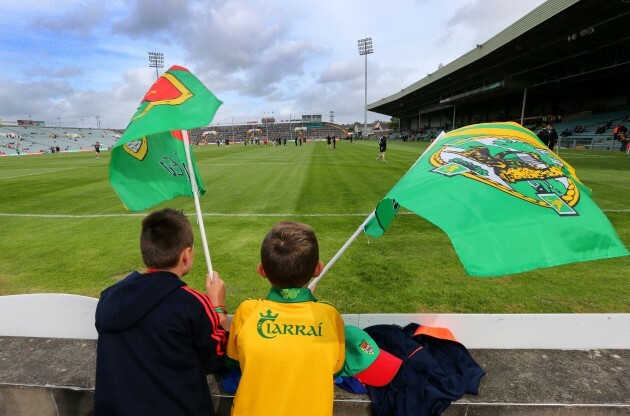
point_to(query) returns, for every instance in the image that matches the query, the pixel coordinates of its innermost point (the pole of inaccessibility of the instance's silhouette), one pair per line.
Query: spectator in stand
(623, 138)
(548, 136)
(553, 137)
(543, 135)
(620, 130)
(616, 132)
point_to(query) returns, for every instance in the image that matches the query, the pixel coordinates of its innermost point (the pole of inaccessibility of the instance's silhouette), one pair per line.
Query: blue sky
(69, 61)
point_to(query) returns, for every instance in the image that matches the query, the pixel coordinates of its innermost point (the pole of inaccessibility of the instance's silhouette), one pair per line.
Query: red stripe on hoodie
(219, 334)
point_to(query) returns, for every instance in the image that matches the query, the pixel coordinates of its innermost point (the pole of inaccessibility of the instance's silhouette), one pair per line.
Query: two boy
(158, 338)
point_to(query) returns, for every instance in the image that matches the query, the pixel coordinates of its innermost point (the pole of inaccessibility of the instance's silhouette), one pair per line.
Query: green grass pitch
(64, 230)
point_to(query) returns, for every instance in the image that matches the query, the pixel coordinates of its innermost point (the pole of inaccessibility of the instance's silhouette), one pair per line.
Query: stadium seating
(279, 130)
(589, 138)
(38, 140)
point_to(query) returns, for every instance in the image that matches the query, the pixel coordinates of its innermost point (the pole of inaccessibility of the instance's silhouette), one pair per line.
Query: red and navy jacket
(157, 340)
(436, 370)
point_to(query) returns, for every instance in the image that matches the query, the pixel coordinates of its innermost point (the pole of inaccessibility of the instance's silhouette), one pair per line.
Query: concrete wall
(536, 364)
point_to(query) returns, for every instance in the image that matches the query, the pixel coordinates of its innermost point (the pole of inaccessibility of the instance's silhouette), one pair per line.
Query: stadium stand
(596, 130)
(239, 133)
(566, 58)
(40, 140)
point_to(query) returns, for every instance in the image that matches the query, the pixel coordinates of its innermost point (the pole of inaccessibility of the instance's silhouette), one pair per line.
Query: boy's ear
(187, 256)
(261, 271)
(318, 269)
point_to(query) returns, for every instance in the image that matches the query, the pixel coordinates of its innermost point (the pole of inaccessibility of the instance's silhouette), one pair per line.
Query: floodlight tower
(156, 60)
(365, 48)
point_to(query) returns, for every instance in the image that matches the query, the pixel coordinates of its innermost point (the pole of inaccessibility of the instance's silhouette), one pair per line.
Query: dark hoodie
(157, 340)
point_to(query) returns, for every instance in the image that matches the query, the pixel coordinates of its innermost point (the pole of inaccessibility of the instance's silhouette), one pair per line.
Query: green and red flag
(151, 170)
(506, 201)
(148, 163)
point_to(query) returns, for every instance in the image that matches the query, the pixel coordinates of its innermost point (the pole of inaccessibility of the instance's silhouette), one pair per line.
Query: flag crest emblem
(521, 168)
(137, 148)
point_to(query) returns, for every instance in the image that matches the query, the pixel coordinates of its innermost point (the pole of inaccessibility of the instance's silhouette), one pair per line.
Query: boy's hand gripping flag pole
(152, 161)
(359, 230)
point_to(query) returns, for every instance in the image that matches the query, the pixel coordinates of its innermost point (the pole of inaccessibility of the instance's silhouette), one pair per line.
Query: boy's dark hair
(165, 234)
(289, 254)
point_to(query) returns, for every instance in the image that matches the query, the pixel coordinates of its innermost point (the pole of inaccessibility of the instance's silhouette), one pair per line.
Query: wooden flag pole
(195, 189)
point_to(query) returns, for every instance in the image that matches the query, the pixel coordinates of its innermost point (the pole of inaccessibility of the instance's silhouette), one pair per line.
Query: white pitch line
(215, 214)
(208, 214)
(355, 162)
(565, 156)
(37, 173)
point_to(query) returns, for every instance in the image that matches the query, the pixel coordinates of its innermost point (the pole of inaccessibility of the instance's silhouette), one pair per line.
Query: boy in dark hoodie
(158, 338)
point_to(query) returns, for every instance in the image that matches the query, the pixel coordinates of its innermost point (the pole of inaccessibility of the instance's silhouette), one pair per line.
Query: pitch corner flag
(148, 163)
(507, 203)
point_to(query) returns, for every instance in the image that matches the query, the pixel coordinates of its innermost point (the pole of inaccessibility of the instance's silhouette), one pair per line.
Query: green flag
(151, 170)
(148, 163)
(176, 101)
(507, 203)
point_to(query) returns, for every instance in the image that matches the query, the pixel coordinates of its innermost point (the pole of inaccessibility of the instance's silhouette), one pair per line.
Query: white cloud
(82, 18)
(151, 17)
(75, 59)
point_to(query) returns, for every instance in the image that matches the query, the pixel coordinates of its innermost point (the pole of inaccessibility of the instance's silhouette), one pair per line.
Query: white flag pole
(195, 189)
(341, 251)
(359, 230)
